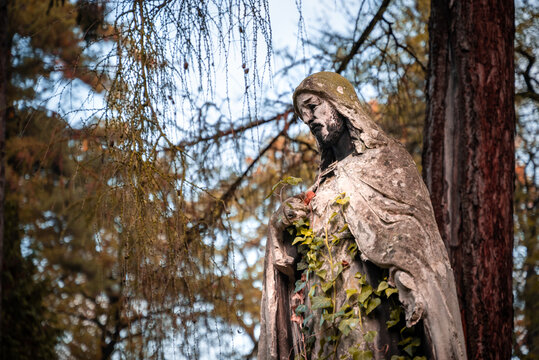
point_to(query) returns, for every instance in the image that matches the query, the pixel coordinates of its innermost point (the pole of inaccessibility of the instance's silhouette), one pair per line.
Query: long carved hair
(340, 93)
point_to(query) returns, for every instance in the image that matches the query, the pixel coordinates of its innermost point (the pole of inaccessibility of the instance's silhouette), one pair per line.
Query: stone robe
(391, 220)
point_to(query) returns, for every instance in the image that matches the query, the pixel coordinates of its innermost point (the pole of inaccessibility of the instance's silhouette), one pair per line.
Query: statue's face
(323, 120)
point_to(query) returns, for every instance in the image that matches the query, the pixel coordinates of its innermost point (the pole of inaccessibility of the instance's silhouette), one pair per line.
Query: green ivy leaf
(350, 293)
(382, 286)
(322, 273)
(344, 228)
(370, 335)
(390, 291)
(302, 308)
(352, 250)
(373, 303)
(311, 292)
(339, 271)
(291, 180)
(328, 317)
(396, 357)
(307, 319)
(273, 188)
(394, 317)
(297, 240)
(341, 312)
(362, 355)
(366, 291)
(299, 285)
(347, 325)
(406, 340)
(391, 323)
(361, 279)
(321, 302)
(409, 350)
(327, 285)
(343, 201)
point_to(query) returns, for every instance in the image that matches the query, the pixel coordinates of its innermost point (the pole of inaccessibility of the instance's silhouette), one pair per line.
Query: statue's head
(328, 103)
(328, 86)
(326, 124)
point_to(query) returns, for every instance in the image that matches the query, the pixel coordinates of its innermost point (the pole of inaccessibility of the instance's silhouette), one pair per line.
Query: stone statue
(368, 275)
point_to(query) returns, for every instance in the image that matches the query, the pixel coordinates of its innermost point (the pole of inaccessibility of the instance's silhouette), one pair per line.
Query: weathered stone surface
(389, 217)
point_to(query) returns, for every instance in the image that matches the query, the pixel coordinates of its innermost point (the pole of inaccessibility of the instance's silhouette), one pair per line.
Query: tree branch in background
(404, 47)
(226, 196)
(301, 142)
(364, 36)
(232, 131)
(528, 79)
(220, 204)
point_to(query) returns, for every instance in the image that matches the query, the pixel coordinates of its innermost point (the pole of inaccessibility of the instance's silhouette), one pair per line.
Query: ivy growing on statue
(316, 290)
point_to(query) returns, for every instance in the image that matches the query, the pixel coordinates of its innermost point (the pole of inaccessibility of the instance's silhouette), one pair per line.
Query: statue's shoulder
(389, 170)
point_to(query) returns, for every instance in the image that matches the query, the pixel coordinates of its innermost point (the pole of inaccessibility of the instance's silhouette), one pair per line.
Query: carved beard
(332, 130)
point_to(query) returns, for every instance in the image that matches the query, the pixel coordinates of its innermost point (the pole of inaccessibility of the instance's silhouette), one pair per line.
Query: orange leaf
(309, 195)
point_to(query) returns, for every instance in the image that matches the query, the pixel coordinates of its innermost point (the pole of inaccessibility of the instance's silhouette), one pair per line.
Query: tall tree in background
(468, 160)
(4, 61)
(39, 41)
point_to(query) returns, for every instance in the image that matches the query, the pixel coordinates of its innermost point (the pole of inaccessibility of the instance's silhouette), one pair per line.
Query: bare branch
(530, 93)
(226, 196)
(364, 36)
(235, 131)
(216, 207)
(404, 47)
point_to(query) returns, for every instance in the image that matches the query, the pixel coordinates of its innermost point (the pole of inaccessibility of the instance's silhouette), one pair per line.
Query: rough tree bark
(468, 160)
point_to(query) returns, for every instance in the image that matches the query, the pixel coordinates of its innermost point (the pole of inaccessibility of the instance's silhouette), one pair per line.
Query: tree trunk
(5, 49)
(468, 161)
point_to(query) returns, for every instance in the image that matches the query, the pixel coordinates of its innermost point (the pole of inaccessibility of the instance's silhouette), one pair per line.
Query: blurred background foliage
(136, 218)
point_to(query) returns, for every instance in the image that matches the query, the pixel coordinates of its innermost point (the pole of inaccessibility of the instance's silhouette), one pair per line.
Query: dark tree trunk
(468, 160)
(5, 49)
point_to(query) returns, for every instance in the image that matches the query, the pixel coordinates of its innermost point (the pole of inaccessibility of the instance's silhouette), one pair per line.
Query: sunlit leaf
(320, 302)
(326, 286)
(350, 292)
(390, 291)
(373, 303)
(366, 291)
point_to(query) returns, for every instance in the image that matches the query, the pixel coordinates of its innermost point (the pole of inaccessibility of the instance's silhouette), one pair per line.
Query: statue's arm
(409, 295)
(292, 210)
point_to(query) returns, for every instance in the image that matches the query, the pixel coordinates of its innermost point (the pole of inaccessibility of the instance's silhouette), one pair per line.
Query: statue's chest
(327, 210)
